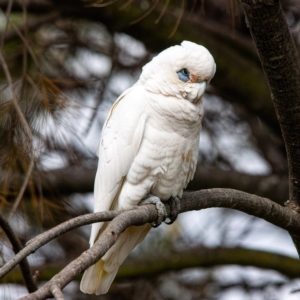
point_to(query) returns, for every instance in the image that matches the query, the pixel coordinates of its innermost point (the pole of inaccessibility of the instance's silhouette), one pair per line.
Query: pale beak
(200, 92)
(201, 88)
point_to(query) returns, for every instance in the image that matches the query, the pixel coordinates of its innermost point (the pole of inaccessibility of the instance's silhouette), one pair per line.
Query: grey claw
(174, 203)
(161, 210)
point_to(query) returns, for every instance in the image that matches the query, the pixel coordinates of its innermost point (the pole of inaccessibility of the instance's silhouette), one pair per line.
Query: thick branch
(201, 257)
(210, 257)
(74, 179)
(274, 187)
(252, 204)
(281, 64)
(17, 246)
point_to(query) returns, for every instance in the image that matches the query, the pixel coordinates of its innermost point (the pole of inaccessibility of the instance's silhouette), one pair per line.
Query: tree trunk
(280, 62)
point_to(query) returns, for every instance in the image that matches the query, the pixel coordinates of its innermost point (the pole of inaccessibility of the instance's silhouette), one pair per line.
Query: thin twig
(125, 5)
(31, 26)
(163, 10)
(27, 131)
(8, 11)
(51, 234)
(30, 51)
(104, 82)
(16, 105)
(104, 4)
(181, 12)
(25, 21)
(17, 246)
(148, 12)
(144, 214)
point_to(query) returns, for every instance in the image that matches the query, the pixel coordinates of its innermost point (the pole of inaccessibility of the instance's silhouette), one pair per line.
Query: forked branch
(17, 246)
(260, 207)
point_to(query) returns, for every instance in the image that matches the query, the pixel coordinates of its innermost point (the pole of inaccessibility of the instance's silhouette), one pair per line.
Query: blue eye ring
(184, 75)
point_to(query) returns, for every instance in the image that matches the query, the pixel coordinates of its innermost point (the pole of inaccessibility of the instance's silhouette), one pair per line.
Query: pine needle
(181, 12)
(163, 11)
(148, 12)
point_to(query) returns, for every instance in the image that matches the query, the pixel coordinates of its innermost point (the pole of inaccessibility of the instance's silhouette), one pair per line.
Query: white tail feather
(98, 278)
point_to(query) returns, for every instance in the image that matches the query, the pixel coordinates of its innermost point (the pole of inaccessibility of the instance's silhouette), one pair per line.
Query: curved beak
(200, 92)
(201, 87)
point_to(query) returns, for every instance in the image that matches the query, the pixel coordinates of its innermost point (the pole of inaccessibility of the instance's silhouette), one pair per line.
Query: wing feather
(121, 138)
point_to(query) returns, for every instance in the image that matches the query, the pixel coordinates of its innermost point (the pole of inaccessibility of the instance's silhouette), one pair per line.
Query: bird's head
(180, 71)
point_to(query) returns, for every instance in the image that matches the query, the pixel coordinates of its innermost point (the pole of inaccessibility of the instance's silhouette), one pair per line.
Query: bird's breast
(165, 161)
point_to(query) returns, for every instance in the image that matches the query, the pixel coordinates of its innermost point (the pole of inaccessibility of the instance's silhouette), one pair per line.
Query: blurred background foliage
(63, 65)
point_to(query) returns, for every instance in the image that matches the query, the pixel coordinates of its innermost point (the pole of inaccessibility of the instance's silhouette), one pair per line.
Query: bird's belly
(162, 167)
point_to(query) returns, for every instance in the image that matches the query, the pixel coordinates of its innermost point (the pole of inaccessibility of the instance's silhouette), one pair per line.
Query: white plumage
(149, 144)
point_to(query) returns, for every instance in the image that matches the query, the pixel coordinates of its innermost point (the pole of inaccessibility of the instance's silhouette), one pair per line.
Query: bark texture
(73, 179)
(202, 257)
(280, 61)
(211, 257)
(260, 207)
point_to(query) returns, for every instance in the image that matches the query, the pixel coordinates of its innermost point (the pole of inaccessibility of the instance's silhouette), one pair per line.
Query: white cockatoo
(149, 147)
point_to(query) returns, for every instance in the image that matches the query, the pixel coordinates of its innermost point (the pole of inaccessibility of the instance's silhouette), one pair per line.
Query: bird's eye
(184, 75)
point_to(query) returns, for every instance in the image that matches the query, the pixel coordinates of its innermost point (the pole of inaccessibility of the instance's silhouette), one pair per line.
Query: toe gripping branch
(163, 216)
(174, 203)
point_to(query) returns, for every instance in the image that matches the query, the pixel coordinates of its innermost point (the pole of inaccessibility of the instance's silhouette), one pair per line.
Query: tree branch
(27, 132)
(51, 234)
(260, 207)
(56, 292)
(72, 179)
(210, 257)
(280, 61)
(251, 204)
(17, 246)
(36, 23)
(202, 257)
(142, 215)
(273, 186)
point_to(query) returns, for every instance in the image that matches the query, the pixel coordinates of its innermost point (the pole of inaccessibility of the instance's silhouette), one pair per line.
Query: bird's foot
(161, 209)
(174, 204)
